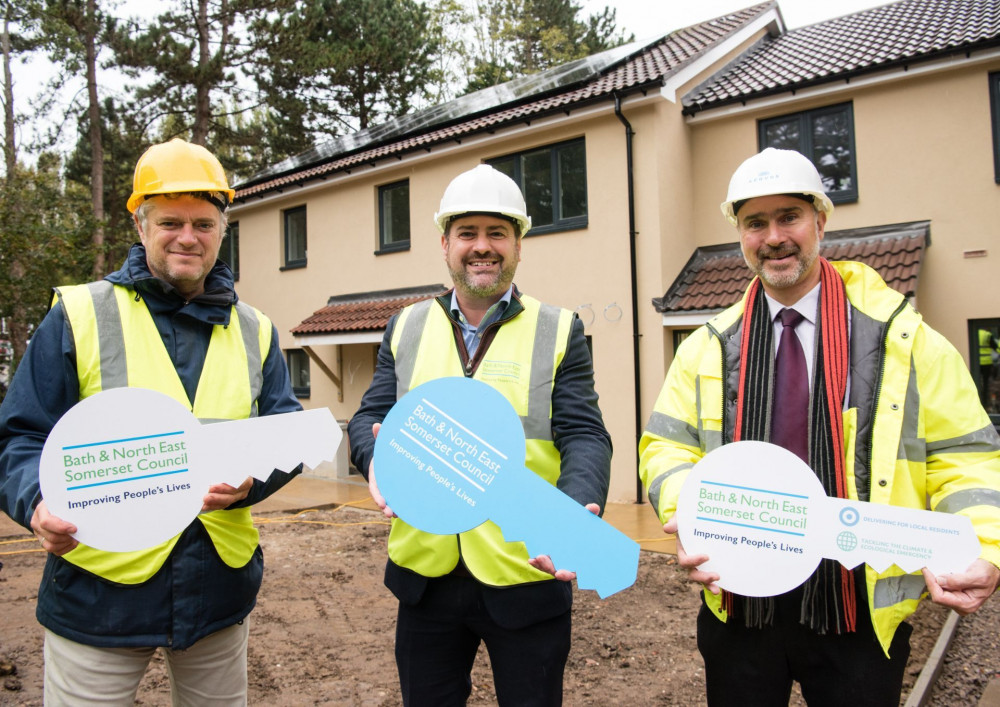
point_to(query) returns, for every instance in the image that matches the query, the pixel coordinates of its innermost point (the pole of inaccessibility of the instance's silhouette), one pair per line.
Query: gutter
(629, 135)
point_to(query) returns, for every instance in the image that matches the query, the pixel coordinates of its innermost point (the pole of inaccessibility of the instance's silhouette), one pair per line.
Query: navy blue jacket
(578, 432)
(195, 593)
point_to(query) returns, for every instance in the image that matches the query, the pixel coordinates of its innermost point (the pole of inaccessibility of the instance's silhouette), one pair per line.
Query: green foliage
(351, 64)
(44, 242)
(517, 37)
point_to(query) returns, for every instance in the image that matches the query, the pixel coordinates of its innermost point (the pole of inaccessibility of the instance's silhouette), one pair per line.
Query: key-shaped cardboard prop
(129, 467)
(450, 456)
(762, 517)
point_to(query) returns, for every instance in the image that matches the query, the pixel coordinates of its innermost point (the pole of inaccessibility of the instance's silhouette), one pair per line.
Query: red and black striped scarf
(828, 603)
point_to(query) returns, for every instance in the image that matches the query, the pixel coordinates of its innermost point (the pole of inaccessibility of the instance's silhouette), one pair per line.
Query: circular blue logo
(849, 516)
(847, 541)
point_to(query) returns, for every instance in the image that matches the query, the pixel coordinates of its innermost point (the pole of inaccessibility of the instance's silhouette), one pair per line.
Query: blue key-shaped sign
(450, 456)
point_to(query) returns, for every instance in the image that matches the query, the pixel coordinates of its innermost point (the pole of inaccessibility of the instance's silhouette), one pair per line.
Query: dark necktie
(790, 411)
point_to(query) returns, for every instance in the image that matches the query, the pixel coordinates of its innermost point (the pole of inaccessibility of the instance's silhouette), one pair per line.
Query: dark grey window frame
(397, 246)
(558, 223)
(292, 263)
(300, 391)
(995, 120)
(806, 119)
(230, 251)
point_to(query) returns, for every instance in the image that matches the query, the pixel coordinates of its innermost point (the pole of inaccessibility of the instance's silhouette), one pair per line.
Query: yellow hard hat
(177, 167)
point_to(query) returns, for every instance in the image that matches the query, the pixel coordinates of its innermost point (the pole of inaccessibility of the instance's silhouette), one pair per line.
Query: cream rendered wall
(585, 269)
(924, 151)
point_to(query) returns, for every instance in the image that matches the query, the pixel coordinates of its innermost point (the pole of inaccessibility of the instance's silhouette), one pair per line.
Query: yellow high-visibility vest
(521, 363)
(117, 345)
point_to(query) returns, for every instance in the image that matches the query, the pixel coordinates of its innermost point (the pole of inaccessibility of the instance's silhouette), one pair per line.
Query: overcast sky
(649, 19)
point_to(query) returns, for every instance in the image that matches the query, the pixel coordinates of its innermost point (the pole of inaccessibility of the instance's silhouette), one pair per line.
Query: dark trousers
(437, 640)
(755, 667)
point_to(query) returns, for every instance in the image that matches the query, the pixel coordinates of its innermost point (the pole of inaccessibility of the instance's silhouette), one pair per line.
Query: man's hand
(544, 562)
(222, 496)
(691, 562)
(373, 486)
(52, 531)
(963, 591)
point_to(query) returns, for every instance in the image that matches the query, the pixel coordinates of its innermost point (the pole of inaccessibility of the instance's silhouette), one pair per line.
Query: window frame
(231, 248)
(300, 391)
(558, 224)
(994, 79)
(806, 119)
(383, 246)
(292, 263)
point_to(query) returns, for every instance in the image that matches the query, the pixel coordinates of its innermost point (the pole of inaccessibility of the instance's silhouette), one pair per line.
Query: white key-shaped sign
(762, 517)
(450, 456)
(129, 467)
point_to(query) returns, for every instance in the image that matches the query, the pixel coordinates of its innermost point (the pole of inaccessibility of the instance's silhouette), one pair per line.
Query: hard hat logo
(775, 171)
(483, 190)
(179, 167)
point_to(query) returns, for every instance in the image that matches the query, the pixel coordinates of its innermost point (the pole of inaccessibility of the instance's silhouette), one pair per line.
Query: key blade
(259, 445)
(551, 523)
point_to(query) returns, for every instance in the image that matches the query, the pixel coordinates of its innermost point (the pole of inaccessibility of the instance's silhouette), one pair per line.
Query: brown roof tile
(898, 33)
(364, 311)
(716, 276)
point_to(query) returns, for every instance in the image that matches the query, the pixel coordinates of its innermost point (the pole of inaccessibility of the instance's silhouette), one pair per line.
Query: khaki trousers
(211, 672)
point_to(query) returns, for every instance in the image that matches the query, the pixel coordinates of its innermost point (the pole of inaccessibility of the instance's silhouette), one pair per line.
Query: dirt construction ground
(322, 632)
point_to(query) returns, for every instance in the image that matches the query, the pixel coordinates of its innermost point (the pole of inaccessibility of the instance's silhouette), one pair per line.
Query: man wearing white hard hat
(827, 361)
(456, 591)
(168, 320)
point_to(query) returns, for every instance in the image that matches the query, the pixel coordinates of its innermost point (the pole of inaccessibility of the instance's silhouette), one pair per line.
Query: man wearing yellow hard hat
(825, 360)
(168, 320)
(456, 591)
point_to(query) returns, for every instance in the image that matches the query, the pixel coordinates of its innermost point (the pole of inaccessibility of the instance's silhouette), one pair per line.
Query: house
(624, 158)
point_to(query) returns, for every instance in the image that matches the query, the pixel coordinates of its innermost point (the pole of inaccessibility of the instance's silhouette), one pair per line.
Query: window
(298, 371)
(554, 183)
(984, 363)
(229, 253)
(995, 116)
(295, 237)
(394, 217)
(824, 135)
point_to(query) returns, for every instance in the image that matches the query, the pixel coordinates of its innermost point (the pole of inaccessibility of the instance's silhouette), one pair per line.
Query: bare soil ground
(322, 633)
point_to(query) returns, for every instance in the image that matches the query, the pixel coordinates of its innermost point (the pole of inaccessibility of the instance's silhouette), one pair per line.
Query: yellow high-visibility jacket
(915, 434)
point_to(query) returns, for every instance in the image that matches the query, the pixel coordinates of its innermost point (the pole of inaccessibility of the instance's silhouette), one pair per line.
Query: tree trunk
(18, 325)
(96, 141)
(202, 109)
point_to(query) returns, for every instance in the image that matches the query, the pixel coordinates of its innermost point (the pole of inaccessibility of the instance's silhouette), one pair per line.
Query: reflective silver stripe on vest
(250, 329)
(672, 429)
(409, 340)
(110, 337)
(892, 590)
(654, 488)
(911, 447)
(960, 500)
(982, 441)
(538, 423)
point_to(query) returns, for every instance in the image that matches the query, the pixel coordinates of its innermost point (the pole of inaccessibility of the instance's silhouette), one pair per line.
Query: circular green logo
(847, 541)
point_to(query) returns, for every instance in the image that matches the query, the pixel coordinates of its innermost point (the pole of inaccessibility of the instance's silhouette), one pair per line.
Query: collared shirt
(474, 334)
(808, 307)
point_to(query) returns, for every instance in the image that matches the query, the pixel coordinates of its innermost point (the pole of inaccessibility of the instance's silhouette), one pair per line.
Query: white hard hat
(483, 190)
(775, 171)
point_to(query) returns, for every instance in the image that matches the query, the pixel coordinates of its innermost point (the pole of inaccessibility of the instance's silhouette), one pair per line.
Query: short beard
(499, 284)
(804, 261)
